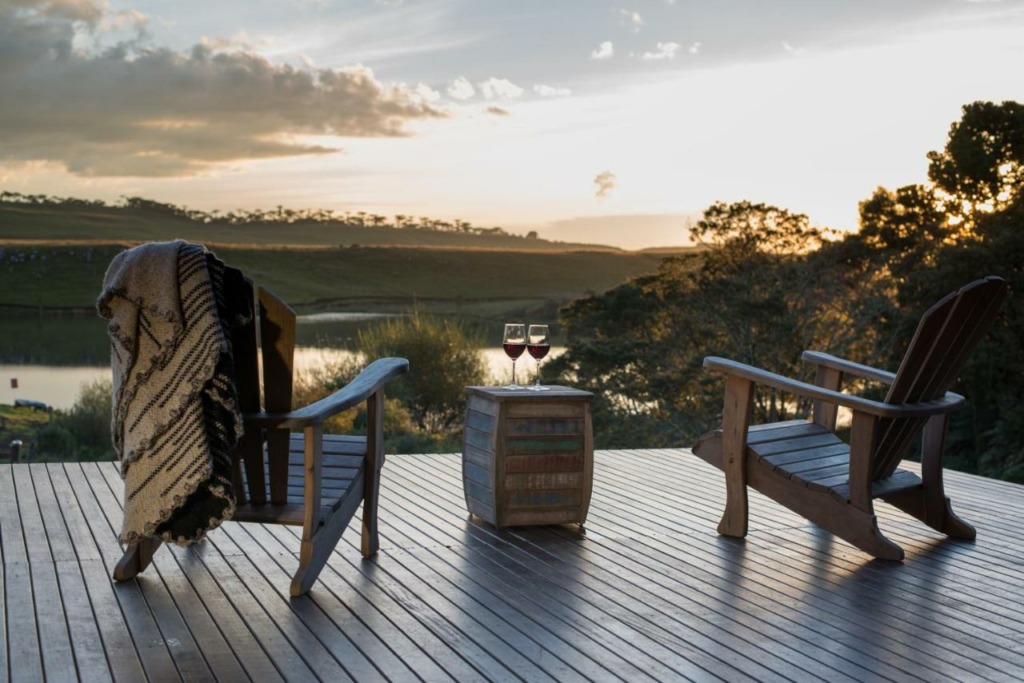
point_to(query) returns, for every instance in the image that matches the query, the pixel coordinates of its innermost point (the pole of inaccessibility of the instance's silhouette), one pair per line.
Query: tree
(920, 242)
(982, 165)
(760, 293)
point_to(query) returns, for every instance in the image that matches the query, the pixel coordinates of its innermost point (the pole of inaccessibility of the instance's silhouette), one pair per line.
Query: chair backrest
(265, 345)
(946, 335)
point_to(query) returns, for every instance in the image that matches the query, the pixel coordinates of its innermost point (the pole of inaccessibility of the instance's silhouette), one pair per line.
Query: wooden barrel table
(528, 456)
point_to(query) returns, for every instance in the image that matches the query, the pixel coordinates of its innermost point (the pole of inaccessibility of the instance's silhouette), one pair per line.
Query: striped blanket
(171, 306)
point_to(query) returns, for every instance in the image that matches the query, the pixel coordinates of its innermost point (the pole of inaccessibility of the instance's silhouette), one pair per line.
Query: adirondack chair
(804, 466)
(304, 478)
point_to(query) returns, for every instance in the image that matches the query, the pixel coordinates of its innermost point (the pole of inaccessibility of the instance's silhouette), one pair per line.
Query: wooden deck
(648, 592)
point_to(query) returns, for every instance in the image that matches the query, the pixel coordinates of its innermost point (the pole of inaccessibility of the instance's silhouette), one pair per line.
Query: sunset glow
(605, 122)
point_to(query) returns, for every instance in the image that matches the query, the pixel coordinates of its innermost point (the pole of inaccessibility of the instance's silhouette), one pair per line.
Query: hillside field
(353, 278)
(55, 222)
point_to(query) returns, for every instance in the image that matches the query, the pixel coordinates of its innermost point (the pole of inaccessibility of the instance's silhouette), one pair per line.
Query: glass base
(538, 387)
(513, 387)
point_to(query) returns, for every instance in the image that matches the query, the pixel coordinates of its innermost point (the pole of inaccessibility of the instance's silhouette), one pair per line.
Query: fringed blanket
(171, 307)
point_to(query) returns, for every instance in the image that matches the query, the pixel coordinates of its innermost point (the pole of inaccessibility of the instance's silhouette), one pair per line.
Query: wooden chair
(804, 466)
(307, 478)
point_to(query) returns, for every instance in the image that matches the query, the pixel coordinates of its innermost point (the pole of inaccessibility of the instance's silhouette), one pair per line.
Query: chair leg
(136, 558)
(875, 543)
(371, 538)
(938, 516)
(930, 503)
(372, 468)
(955, 527)
(853, 525)
(314, 552)
(305, 576)
(735, 422)
(856, 526)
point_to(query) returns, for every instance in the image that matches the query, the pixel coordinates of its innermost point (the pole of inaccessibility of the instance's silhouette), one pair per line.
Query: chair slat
(793, 457)
(277, 339)
(807, 469)
(946, 335)
(249, 451)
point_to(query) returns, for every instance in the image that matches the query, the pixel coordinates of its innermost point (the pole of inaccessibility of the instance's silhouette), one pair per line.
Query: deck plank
(107, 617)
(612, 600)
(3, 612)
(863, 599)
(54, 637)
(227, 645)
(330, 614)
(140, 624)
(646, 591)
(343, 644)
(772, 579)
(24, 654)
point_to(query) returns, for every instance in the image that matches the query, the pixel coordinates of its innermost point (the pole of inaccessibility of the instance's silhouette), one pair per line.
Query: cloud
(603, 51)
(136, 109)
(795, 51)
(87, 11)
(548, 91)
(694, 49)
(500, 89)
(130, 19)
(497, 111)
(426, 93)
(605, 181)
(662, 51)
(461, 88)
(632, 19)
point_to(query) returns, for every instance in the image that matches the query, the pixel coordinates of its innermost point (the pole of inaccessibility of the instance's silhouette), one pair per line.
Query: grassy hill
(72, 222)
(53, 258)
(70, 276)
(54, 252)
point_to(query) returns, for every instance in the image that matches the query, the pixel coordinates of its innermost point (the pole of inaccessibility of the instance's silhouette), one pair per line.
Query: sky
(612, 122)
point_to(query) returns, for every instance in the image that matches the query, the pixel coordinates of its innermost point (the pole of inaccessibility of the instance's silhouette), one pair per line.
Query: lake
(52, 356)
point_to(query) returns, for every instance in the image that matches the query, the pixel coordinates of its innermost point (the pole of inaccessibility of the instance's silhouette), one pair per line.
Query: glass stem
(513, 372)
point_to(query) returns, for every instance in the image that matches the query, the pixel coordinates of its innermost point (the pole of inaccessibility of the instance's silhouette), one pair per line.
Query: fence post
(15, 450)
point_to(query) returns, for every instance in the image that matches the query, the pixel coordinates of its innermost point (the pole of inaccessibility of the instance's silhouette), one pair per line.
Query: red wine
(513, 351)
(538, 351)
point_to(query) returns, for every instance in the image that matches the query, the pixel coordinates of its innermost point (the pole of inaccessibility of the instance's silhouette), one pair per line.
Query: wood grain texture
(649, 593)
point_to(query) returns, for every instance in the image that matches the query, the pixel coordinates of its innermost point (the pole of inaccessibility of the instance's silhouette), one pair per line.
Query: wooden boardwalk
(649, 592)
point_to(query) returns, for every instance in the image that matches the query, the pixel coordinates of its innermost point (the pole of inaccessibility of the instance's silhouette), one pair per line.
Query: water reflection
(50, 357)
(55, 385)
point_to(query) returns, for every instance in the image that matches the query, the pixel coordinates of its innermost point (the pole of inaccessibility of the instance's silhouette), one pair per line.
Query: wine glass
(514, 344)
(537, 345)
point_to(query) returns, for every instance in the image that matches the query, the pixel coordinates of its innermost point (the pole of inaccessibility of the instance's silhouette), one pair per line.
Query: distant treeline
(279, 215)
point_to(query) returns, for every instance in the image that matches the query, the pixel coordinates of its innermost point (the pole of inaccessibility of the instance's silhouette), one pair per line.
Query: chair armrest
(369, 381)
(848, 367)
(945, 404)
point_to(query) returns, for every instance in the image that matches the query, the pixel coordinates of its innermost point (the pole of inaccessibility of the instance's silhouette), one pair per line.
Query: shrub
(89, 422)
(444, 359)
(424, 407)
(53, 442)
